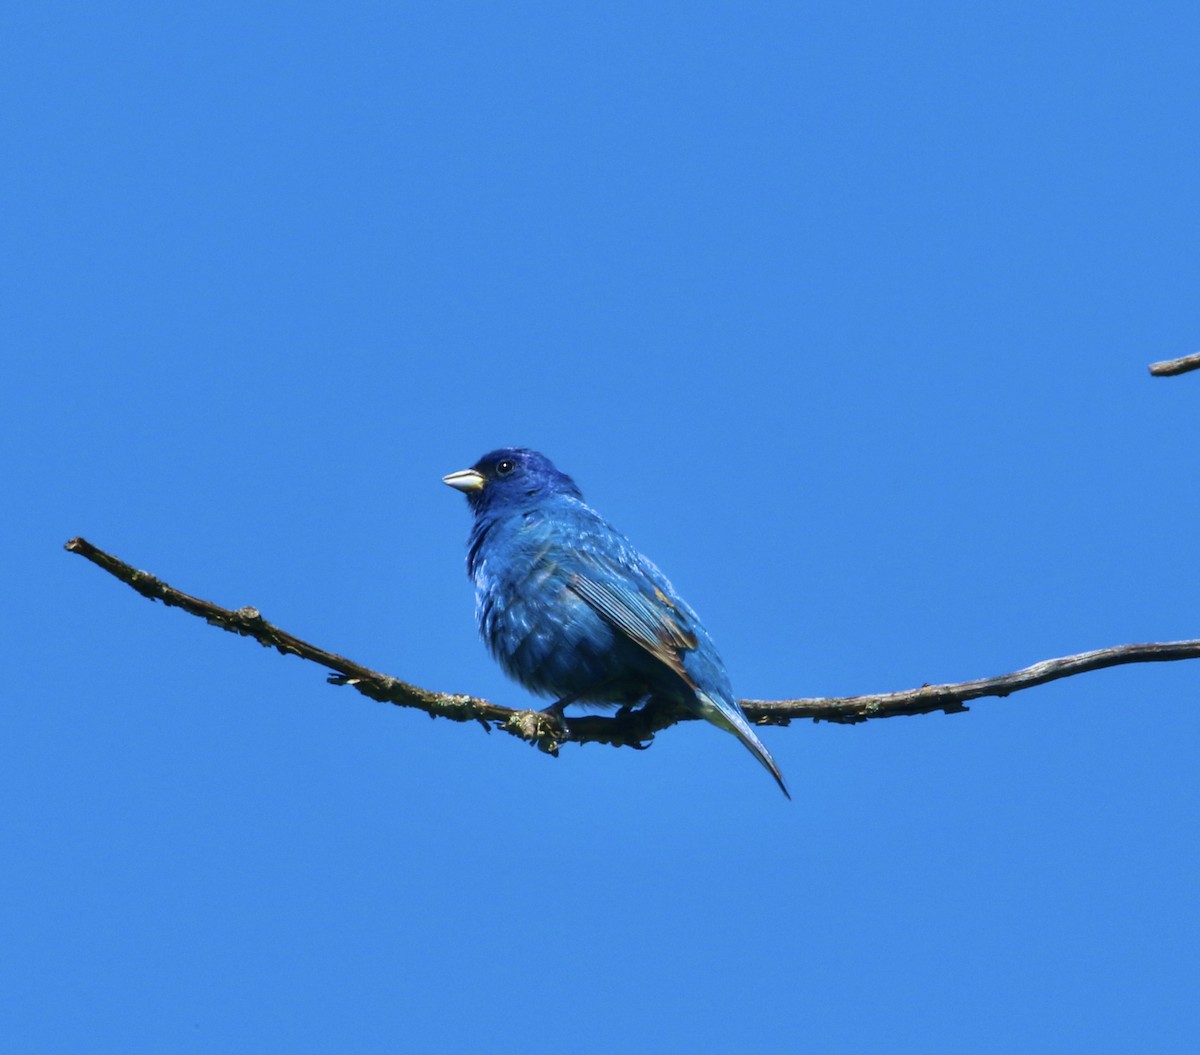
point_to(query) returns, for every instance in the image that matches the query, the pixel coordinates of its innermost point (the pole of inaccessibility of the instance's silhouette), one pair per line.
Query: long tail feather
(729, 716)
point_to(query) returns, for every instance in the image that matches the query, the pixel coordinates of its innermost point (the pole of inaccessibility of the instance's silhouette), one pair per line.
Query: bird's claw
(559, 720)
(630, 713)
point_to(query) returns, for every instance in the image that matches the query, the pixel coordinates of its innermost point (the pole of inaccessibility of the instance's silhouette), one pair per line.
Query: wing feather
(638, 608)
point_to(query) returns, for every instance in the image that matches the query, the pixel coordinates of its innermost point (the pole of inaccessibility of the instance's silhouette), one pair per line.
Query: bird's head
(509, 477)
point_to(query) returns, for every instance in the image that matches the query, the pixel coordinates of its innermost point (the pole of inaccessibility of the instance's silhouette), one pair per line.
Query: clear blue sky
(841, 312)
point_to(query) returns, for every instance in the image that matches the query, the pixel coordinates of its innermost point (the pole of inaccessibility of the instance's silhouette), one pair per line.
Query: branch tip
(1172, 367)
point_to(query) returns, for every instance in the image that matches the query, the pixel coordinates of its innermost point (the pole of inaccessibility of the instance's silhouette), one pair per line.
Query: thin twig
(1170, 367)
(629, 727)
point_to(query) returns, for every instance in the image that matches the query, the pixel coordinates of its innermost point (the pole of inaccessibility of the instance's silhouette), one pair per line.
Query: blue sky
(842, 314)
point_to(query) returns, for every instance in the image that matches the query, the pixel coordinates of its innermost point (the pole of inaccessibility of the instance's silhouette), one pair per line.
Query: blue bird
(570, 609)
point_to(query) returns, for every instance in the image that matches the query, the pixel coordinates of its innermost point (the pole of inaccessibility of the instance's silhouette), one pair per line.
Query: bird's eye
(505, 467)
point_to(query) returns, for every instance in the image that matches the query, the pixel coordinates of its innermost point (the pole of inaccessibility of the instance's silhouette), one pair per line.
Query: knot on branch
(929, 698)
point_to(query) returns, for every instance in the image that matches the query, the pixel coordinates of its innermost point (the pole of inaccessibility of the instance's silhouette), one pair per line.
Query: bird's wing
(629, 600)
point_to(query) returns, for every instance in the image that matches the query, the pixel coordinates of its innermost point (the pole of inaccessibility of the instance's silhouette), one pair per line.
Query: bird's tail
(728, 715)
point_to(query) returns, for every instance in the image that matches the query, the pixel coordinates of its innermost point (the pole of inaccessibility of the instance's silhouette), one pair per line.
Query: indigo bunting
(570, 609)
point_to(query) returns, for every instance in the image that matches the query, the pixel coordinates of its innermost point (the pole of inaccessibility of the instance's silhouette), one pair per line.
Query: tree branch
(1170, 367)
(629, 727)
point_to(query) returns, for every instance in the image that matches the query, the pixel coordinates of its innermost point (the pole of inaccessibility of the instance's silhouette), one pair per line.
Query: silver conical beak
(465, 480)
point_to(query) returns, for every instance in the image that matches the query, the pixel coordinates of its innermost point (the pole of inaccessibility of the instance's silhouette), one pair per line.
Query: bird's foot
(634, 718)
(558, 707)
(555, 713)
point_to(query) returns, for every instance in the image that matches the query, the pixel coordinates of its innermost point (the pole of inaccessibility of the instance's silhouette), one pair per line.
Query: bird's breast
(541, 632)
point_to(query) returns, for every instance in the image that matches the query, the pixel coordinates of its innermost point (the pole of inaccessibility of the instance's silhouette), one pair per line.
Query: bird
(571, 610)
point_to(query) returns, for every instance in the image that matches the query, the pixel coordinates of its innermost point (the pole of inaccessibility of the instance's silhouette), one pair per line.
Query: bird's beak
(465, 480)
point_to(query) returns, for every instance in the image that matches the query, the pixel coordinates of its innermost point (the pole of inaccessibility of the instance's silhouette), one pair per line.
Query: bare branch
(629, 727)
(1170, 367)
(952, 698)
